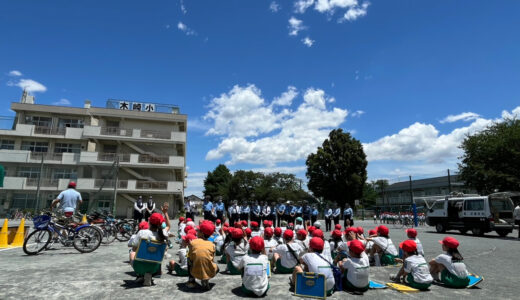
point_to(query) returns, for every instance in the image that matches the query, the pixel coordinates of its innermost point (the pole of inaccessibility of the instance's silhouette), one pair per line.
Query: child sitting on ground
(315, 262)
(415, 271)
(269, 242)
(412, 235)
(254, 266)
(255, 229)
(299, 224)
(134, 240)
(326, 248)
(383, 251)
(356, 268)
(335, 242)
(181, 266)
(453, 272)
(236, 250)
(286, 255)
(278, 235)
(201, 256)
(302, 240)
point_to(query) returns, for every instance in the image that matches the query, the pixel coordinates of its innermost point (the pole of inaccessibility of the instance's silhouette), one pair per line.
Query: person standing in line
(314, 214)
(255, 214)
(516, 215)
(299, 210)
(306, 212)
(281, 212)
(292, 214)
(138, 210)
(150, 207)
(234, 213)
(244, 211)
(189, 208)
(207, 206)
(347, 216)
(272, 217)
(328, 218)
(266, 212)
(220, 209)
(336, 214)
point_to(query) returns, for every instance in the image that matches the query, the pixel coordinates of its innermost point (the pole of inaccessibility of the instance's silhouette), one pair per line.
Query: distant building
(143, 145)
(196, 200)
(398, 194)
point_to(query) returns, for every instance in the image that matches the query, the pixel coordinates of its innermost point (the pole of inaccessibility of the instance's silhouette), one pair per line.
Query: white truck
(478, 214)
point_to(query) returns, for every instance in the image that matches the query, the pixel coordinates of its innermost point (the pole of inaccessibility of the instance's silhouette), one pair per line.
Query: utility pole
(449, 182)
(116, 183)
(38, 186)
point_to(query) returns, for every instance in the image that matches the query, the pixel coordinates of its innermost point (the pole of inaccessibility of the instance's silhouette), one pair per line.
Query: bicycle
(106, 223)
(85, 238)
(125, 229)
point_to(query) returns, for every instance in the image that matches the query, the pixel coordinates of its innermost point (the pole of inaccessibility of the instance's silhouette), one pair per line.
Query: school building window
(7, 144)
(73, 123)
(64, 173)
(23, 201)
(29, 172)
(67, 148)
(35, 146)
(38, 121)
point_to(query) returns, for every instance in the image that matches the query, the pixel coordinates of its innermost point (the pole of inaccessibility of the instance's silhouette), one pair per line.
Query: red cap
(356, 246)
(383, 230)
(411, 232)
(238, 225)
(207, 228)
(350, 229)
(317, 233)
(408, 246)
(72, 184)
(244, 223)
(237, 233)
(266, 223)
(189, 220)
(189, 237)
(248, 231)
(256, 243)
(316, 243)
(302, 232)
(288, 234)
(226, 224)
(337, 226)
(268, 232)
(336, 233)
(310, 229)
(254, 224)
(192, 231)
(450, 242)
(360, 230)
(372, 232)
(270, 223)
(188, 228)
(291, 224)
(278, 231)
(218, 221)
(155, 219)
(143, 225)
(181, 219)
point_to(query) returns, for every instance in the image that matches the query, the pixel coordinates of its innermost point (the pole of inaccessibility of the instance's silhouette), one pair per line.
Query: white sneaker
(147, 279)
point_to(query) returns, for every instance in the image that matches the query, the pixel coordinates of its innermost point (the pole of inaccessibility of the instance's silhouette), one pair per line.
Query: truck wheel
(440, 228)
(502, 233)
(477, 231)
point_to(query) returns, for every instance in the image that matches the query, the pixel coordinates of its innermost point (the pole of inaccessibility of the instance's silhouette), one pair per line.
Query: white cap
(317, 224)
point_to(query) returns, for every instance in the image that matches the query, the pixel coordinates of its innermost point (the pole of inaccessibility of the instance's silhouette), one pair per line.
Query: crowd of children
(255, 251)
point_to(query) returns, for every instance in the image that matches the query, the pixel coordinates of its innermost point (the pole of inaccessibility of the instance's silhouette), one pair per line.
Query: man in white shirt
(336, 214)
(68, 200)
(516, 215)
(328, 219)
(254, 279)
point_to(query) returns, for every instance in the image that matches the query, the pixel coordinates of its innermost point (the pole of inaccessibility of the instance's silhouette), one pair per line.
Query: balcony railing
(151, 159)
(151, 185)
(122, 184)
(166, 135)
(123, 157)
(46, 156)
(49, 130)
(116, 131)
(45, 182)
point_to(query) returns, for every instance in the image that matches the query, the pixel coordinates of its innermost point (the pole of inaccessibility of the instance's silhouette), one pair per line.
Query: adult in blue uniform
(336, 214)
(244, 211)
(272, 218)
(220, 208)
(314, 213)
(256, 210)
(208, 208)
(348, 215)
(280, 209)
(328, 218)
(307, 212)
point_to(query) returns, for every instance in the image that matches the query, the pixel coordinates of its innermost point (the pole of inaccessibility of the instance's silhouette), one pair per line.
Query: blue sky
(263, 82)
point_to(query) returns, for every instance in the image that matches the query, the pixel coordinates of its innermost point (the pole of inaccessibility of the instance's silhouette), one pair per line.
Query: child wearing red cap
(278, 235)
(201, 256)
(236, 250)
(334, 242)
(286, 255)
(383, 251)
(315, 262)
(254, 280)
(415, 271)
(303, 240)
(255, 229)
(412, 235)
(269, 242)
(326, 248)
(356, 268)
(350, 234)
(181, 266)
(453, 272)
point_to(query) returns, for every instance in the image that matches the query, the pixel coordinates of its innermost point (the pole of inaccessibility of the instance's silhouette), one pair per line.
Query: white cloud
(195, 183)
(287, 97)
(183, 8)
(295, 26)
(274, 7)
(281, 169)
(330, 5)
(62, 101)
(252, 131)
(466, 116)
(358, 113)
(301, 6)
(15, 73)
(198, 125)
(29, 85)
(307, 42)
(184, 28)
(357, 11)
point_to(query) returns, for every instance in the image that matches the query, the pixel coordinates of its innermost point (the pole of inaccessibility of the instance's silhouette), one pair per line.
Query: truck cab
(478, 214)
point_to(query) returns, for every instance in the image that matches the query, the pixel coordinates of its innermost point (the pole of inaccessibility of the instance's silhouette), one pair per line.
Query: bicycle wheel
(36, 241)
(87, 239)
(124, 231)
(109, 234)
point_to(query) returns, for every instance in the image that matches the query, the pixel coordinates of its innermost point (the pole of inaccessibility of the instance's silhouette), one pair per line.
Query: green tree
(217, 182)
(491, 158)
(243, 185)
(337, 171)
(370, 194)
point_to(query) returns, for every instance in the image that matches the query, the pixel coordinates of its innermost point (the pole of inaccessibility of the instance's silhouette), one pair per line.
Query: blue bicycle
(85, 238)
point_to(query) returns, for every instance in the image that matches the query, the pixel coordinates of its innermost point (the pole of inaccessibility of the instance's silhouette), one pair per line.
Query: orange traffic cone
(20, 235)
(4, 235)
